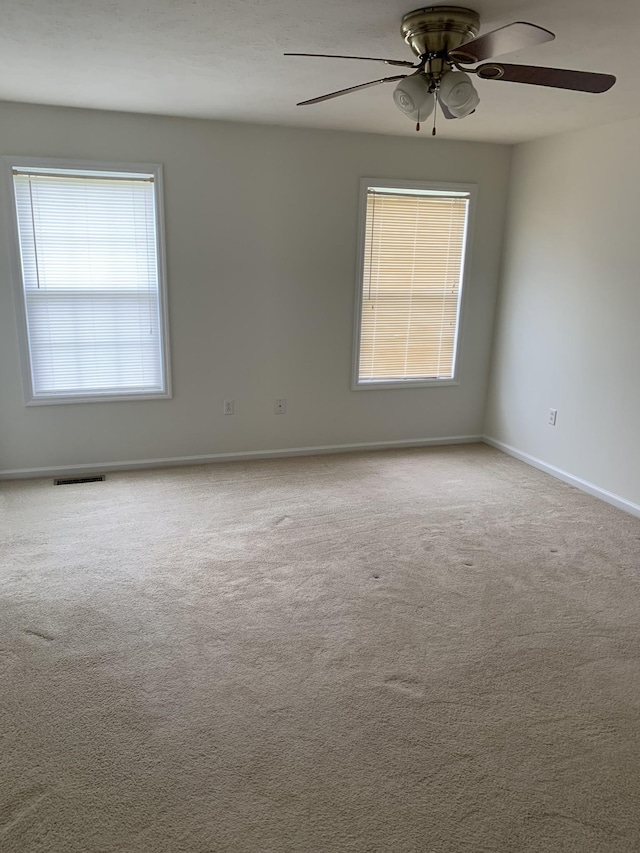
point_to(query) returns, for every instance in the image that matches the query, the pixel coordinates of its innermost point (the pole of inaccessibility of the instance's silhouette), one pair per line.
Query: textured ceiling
(214, 59)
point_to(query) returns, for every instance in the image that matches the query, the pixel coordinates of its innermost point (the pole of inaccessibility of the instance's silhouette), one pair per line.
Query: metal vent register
(68, 481)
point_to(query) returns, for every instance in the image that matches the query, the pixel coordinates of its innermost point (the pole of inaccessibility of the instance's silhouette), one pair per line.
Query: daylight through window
(91, 275)
(412, 267)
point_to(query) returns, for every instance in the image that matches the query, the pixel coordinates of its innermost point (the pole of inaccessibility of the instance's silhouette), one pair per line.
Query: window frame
(12, 162)
(420, 186)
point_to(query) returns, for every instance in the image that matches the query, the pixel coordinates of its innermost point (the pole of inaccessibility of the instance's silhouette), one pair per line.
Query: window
(92, 296)
(411, 269)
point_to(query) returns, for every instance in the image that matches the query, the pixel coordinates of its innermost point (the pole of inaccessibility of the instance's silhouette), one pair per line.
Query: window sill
(97, 398)
(404, 383)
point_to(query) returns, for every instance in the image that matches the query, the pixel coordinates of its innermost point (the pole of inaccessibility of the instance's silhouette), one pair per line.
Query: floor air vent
(68, 481)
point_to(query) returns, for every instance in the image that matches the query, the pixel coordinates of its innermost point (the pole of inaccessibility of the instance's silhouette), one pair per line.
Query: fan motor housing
(435, 30)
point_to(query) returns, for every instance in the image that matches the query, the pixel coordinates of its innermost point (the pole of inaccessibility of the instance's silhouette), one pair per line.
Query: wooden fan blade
(446, 112)
(557, 78)
(403, 62)
(351, 89)
(503, 40)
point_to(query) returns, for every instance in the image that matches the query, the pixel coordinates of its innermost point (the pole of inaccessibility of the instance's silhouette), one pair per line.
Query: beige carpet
(425, 650)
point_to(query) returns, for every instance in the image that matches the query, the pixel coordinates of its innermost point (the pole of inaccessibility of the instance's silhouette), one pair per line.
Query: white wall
(261, 244)
(568, 329)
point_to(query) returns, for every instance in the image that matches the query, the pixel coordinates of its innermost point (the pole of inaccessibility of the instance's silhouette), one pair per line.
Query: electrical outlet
(553, 414)
(228, 407)
(280, 407)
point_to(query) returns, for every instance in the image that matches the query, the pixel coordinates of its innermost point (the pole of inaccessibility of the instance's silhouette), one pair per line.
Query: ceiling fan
(445, 38)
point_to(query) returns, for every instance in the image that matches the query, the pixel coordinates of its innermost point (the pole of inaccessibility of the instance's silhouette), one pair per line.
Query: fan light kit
(445, 40)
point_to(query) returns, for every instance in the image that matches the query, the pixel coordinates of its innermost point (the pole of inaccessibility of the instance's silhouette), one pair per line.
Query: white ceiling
(215, 59)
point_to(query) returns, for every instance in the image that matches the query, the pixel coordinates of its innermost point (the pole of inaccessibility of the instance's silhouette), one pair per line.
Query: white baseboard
(559, 474)
(102, 467)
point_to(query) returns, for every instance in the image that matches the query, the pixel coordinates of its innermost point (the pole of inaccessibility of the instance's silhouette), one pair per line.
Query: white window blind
(413, 261)
(90, 270)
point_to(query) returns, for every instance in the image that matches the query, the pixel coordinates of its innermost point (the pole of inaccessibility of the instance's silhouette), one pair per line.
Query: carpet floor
(425, 650)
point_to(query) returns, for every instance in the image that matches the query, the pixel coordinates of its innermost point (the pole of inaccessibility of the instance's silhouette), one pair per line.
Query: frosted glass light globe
(413, 98)
(458, 93)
